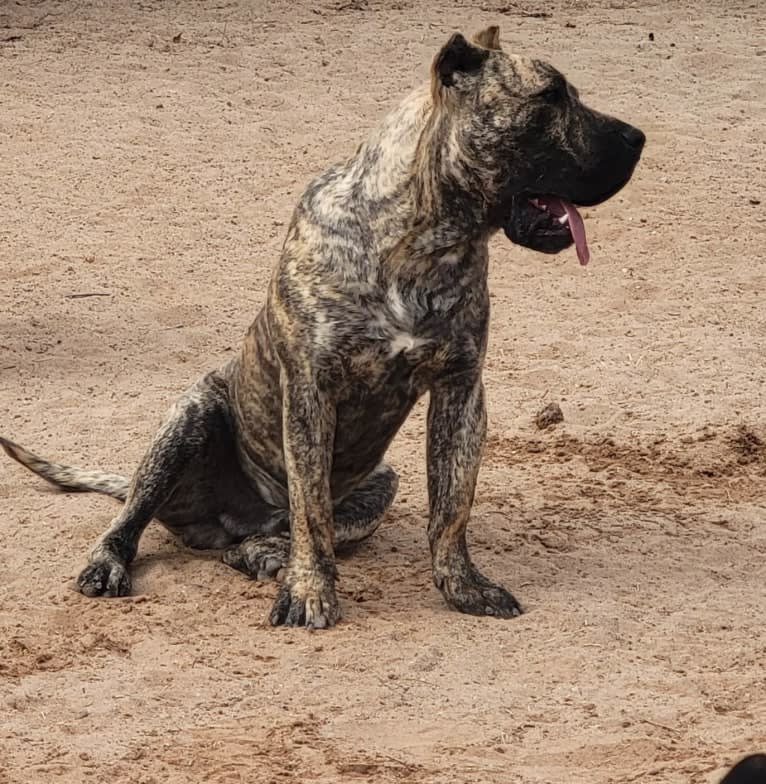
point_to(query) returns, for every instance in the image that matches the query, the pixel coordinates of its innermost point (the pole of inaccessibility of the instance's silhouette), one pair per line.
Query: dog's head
(517, 131)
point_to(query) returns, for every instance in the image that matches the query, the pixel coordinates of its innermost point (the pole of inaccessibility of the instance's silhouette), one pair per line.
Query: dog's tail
(69, 478)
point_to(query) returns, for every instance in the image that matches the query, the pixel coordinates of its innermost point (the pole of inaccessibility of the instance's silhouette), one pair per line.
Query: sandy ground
(150, 154)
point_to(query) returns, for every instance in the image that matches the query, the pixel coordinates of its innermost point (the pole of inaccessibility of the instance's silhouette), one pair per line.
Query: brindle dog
(380, 295)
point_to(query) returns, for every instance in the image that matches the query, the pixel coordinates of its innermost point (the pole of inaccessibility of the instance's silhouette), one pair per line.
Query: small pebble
(550, 415)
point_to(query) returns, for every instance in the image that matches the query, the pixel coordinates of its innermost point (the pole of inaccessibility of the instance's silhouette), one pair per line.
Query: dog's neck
(423, 202)
(447, 189)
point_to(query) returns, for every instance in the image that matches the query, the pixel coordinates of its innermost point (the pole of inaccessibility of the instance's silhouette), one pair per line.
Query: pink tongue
(577, 227)
(558, 207)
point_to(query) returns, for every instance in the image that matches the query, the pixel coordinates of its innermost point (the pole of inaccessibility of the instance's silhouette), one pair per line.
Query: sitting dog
(380, 295)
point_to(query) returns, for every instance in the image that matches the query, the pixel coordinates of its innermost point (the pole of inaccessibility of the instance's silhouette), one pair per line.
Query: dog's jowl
(380, 295)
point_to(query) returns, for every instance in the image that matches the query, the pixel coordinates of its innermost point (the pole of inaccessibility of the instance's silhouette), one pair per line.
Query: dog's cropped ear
(489, 38)
(457, 59)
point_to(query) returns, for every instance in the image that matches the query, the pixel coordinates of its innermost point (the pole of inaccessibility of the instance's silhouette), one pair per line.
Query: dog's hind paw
(104, 577)
(259, 557)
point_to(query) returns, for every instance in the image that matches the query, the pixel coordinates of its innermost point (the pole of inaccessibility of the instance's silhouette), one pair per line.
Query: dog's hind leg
(359, 514)
(183, 441)
(356, 517)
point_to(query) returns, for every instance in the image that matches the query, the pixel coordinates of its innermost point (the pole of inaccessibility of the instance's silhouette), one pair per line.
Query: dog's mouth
(548, 224)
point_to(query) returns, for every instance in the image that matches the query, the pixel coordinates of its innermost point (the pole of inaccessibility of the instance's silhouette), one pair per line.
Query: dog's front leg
(307, 594)
(457, 423)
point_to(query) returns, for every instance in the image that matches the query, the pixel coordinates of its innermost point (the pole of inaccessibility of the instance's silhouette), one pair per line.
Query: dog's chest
(405, 336)
(414, 323)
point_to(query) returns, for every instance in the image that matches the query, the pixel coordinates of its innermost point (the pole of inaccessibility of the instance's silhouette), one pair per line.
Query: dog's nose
(633, 137)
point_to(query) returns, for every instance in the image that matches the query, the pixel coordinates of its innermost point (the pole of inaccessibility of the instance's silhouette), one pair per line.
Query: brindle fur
(380, 295)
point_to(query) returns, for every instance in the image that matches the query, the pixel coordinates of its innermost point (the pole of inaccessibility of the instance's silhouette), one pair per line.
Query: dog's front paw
(104, 577)
(308, 601)
(471, 592)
